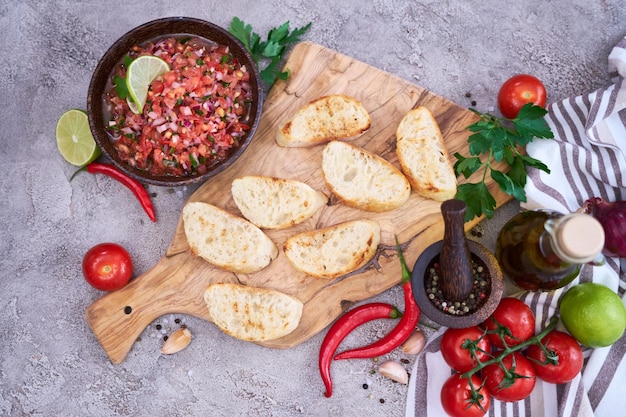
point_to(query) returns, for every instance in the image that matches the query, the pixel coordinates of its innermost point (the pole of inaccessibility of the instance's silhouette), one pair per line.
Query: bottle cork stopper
(580, 237)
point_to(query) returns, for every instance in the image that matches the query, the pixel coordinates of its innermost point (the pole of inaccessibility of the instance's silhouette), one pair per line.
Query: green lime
(594, 314)
(74, 138)
(141, 72)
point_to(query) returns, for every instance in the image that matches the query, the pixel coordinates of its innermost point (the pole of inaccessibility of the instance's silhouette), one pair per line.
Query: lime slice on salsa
(132, 106)
(74, 138)
(141, 72)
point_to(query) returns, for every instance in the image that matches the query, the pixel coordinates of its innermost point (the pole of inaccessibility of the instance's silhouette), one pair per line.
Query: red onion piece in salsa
(194, 115)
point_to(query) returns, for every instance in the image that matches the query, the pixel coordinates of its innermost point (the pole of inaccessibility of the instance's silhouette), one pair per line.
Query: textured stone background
(50, 363)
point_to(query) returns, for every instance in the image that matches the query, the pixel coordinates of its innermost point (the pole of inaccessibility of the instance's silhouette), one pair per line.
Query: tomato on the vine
(459, 400)
(563, 362)
(519, 90)
(513, 384)
(457, 344)
(516, 316)
(107, 266)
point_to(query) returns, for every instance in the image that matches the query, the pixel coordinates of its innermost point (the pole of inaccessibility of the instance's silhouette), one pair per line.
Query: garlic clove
(394, 371)
(415, 343)
(178, 340)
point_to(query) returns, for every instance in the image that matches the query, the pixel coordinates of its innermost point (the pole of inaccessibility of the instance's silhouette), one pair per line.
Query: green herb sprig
(500, 139)
(272, 49)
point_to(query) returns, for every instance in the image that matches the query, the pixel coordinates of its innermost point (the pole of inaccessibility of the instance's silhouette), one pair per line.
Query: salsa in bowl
(198, 114)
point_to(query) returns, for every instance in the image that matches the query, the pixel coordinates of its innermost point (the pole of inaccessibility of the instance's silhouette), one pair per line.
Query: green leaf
(535, 163)
(241, 31)
(283, 75)
(294, 36)
(517, 173)
(270, 73)
(509, 156)
(256, 47)
(479, 142)
(530, 123)
(478, 199)
(120, 87)
(508, 185)
(500, 139)
(273, 49)
(466, 166)
(279, 33)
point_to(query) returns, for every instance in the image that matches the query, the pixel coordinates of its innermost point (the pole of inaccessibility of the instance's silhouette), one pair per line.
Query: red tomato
(566, 358)
(518, 319)
(157, 87)
(514, 384)
(454, 344)
(458, 400)
(519, 90)
(107, 266)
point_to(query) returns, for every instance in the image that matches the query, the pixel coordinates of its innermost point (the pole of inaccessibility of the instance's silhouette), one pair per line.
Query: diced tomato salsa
(195, 113)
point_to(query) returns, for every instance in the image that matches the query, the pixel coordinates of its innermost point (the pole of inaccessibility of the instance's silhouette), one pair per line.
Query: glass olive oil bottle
(545, 250)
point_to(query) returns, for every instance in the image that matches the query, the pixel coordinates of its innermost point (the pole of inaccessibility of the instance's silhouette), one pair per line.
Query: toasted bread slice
(324, 119)
(363, 180)
(423, 155)
(275, 203)
(334, 251)
(226, 240)
(252, 314)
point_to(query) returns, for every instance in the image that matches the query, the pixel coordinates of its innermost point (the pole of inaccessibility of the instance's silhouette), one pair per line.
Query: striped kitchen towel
(587, 158)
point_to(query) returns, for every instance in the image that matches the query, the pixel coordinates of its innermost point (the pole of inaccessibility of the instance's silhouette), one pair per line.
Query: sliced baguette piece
(226, 240)
(334, 251)
(252, 314)
(423, 155)
(363, 180)
(324, 119)
(275, 203)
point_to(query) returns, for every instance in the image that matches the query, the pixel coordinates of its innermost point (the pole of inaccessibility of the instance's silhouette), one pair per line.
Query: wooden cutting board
(177, 282)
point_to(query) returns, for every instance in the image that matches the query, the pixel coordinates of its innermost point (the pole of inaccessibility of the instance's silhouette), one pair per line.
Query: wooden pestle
(455, 263)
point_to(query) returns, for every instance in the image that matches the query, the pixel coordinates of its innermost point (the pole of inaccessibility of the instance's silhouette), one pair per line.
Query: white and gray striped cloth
(587, 158)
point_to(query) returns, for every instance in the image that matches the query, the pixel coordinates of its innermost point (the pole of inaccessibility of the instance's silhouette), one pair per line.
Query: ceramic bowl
(101, 82)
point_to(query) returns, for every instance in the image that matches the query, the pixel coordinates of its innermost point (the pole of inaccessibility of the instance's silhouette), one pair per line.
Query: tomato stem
(510, 349)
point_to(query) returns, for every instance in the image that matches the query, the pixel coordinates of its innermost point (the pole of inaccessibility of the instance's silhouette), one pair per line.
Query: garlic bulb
(394, 371)
(177, 341)
(415, 343)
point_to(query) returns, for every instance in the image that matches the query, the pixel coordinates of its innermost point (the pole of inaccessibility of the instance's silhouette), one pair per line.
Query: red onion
(612, 216)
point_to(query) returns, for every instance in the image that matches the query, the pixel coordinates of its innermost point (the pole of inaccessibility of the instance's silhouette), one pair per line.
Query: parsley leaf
(499, 139)
(268, 52)
(120, 86)
(241, 31)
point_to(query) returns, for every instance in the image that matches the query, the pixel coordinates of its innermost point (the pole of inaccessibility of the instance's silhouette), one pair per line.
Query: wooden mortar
(456, 279)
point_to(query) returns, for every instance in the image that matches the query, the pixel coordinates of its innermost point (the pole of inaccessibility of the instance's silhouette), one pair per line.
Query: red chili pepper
(343, 326)
(135, 186)
(401, 332)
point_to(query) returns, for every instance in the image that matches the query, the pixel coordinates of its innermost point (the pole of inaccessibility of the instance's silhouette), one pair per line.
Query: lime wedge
(74, 138)
(141, 72)
(132, 106)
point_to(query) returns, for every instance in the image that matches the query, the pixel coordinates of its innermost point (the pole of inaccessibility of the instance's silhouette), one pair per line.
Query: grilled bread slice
(334, 251)
(324, 119)
(423, 155)
(363, 180)
(226, 240)
(252, 314)
(275, 203)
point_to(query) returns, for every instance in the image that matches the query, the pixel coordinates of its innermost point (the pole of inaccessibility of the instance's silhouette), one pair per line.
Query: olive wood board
(177, 282)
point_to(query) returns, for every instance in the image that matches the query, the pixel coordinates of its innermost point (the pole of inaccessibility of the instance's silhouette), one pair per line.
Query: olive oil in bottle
(545, 250)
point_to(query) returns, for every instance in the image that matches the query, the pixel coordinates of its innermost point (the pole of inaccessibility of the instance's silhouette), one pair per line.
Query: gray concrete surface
(50, 363)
